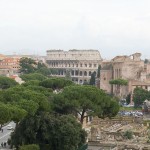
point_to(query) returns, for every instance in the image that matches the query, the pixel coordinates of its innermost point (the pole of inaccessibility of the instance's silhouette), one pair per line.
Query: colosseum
(78, 63)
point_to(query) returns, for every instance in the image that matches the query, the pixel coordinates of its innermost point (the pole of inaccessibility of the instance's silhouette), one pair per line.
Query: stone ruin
(146, 106)
(112, 132)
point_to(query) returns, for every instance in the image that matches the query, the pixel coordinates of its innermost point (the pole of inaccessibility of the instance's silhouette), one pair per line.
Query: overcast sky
(114, 27)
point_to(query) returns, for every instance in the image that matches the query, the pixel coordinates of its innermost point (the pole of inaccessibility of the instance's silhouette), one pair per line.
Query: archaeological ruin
(130, 68)
(79, 64)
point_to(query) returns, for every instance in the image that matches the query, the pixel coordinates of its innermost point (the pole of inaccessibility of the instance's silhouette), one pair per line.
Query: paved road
(5, 135)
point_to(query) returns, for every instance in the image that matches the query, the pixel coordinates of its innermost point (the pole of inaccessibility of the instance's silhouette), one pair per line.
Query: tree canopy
(43, 117)
(6, 82)
(27, 65)
(50, 132)
(92, 80)
(85, 101)
(30, 147)
(139, 96)
(56, 83)
(9, 112)
(33, 76)
(119, 82)
(31, 82)
(146, 61)
(98, 71)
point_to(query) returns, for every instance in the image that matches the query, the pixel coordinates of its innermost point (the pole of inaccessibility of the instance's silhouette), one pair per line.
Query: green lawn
(130, 108)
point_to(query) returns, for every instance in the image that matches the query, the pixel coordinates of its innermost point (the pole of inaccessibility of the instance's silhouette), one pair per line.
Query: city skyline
(112, 27)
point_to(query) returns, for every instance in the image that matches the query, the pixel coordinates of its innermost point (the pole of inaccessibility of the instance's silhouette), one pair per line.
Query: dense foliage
(139, 96)
(98, 71)
(48, 118)
(128, 135)
(84, 101)
(56, 83)
(29, 147)
(92, 79)
(50, 132)
(128, 99)
(27, 65)
(9, 112)
(146, 61)
(119, 82)
(6, 82)
(33, 76)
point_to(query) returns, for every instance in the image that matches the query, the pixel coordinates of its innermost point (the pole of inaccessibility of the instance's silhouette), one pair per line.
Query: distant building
(79, 63)
(130, 68)
(9, 65)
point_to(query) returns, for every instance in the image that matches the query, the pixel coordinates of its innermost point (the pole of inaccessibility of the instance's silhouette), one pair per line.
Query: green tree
(146, 61)
(118, 83)
(31, 82)
(128, 134)
(139, 96)
(85, 83)
(6, 82)
(38, 95)
(56, 83)
(92, 80)
(68, 76)
(128, 98)
(30, 106)
(98, 71)
(84, 101)
(9, 112)
(46, 91)
(27, 65)
(33, 76)
(17, 113)
(45, 71)
(49, 132)
(54, 71)
(5, 114)
(30, 147)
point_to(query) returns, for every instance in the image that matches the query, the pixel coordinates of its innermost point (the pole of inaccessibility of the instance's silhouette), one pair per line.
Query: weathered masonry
(130, 68)
(78, 63)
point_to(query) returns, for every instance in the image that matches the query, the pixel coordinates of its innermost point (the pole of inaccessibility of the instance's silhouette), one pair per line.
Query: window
(76, 73)
(80, 73)
(76, 65)
(85, 65)
(72, 72)
(90, 65)
(85, 73)
(95, 65)
(89, 73)
(80, 65)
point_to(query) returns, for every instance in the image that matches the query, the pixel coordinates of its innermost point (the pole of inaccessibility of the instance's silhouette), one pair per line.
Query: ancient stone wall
(79, 63)
(130, 68)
